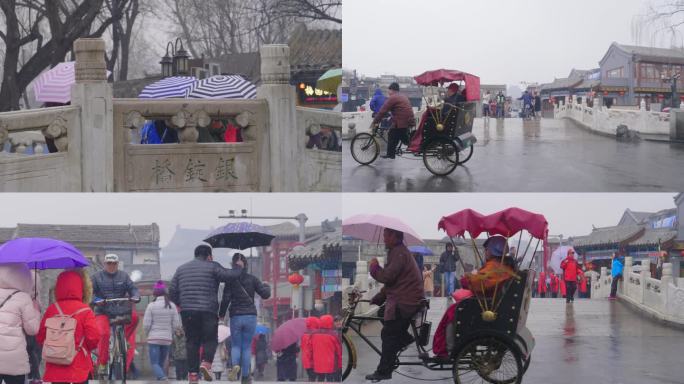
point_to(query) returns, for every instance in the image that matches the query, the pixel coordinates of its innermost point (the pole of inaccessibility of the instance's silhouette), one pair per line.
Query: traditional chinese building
(642, 235)
(276, 269)
(320, 258)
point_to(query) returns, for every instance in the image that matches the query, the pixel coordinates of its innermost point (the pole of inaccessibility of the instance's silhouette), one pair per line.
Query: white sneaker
(234, 373)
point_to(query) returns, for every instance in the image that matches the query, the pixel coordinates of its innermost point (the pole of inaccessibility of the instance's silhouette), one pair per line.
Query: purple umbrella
(288, 333)
(42, 253)
(241, 235)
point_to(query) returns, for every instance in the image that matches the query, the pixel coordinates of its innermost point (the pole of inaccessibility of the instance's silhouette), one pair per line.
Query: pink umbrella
(369, 228)
(288, 333)
(54, 85)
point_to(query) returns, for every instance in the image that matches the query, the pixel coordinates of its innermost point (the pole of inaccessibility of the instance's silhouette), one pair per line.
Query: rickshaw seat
(469, 320)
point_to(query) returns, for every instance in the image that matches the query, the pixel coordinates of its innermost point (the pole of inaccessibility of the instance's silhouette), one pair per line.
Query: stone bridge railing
(660, 298)
(190, 166)
(26, 166)
(98, 138)
(605, 121)
(320, 170)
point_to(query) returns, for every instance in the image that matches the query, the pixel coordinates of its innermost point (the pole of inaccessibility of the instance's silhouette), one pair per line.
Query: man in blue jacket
(616, 272)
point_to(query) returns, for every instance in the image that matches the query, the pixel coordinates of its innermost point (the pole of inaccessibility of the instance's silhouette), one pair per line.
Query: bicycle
(118, 346)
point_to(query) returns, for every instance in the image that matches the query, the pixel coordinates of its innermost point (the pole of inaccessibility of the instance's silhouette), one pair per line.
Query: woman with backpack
(73, 290)
(19, 316)
(238, 300)
(160, 322)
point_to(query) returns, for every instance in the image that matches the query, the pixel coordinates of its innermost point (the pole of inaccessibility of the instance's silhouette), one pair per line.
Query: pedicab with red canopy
(487, 341)
(444, 136)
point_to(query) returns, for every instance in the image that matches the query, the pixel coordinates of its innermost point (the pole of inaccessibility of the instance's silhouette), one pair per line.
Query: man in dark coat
(452, 101)
(194, 288)
(447, 265)
(402, 294)
(402, 119)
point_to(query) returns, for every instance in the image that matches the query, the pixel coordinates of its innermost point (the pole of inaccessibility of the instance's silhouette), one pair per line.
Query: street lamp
(167, 62)
(175, 63)
(180, 59)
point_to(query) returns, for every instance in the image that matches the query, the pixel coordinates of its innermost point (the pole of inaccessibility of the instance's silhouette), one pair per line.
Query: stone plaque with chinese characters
(219, 167)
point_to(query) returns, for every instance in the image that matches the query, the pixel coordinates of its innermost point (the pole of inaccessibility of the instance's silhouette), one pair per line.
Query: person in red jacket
(541, 284)
(571, 273)
(553, 286)
(583, 287)
(70, 293)
(312, 325)
(327, 350)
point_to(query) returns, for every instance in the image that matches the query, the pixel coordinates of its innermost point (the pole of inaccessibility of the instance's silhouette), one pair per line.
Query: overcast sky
(502, 41)
(198, 211)
(567, 214)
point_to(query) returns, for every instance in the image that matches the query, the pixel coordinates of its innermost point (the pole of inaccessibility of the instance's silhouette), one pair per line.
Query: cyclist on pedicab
(402, 119)
(402, 293)
(481, 283)
(112, 283)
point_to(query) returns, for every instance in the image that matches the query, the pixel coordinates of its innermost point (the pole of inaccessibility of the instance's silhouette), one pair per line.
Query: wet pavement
(590, 341)
(533, 156)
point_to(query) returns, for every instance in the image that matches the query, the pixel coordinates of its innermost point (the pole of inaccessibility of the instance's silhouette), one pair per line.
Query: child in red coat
(327, 351)
(70, 292)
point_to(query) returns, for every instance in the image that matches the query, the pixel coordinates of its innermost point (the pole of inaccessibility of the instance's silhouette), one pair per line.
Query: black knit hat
(394, 86)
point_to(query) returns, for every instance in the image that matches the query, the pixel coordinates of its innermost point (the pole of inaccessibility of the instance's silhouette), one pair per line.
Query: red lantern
(681, 253)
(295, 279)
(605, 93)
(661, 96)
(681, 97)
(622, 93)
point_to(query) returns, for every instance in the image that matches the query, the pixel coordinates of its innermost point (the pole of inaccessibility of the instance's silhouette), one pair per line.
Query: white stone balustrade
(605, 121)
(659, 298)
(98, 141)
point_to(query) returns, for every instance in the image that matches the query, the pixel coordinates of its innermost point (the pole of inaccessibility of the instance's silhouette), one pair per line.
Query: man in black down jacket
(238, 299)
(194, 288)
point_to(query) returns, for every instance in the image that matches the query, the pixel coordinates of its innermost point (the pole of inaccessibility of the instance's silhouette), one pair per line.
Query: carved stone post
(361, 280)
(645, 275)
(603, 281)
(627, 287)
(666, 278)
(282, 149)
(94, 95)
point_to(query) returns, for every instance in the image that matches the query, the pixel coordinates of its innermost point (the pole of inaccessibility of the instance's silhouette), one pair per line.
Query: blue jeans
(158, 354)
(242, 330)
(449, 282)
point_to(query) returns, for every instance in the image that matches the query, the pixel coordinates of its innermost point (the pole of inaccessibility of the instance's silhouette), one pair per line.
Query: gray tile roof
(319, 247)
(608, 235)
(131, 88)
(561, 83)
(104, 234)
(655, 236)
(659, 54)
(315, 48)
(6, 234)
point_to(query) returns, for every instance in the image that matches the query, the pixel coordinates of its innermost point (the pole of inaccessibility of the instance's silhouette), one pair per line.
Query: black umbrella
(240, 236)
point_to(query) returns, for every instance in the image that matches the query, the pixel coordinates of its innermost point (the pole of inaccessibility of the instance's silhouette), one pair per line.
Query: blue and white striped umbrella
(240, 235)
(170, 87)
(222, 87)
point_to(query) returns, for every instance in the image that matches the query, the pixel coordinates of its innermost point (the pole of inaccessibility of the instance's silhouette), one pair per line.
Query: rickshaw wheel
(440, 156)
(364, 148)
(527, 363)
(488, 360)
(469, 151)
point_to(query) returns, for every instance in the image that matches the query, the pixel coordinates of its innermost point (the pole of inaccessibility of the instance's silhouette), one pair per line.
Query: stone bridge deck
(546, 155)
(590, 341)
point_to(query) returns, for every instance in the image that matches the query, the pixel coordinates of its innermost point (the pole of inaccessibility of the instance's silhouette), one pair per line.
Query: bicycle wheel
(440, 156)
(348, 356)
(364, 148)
(121, 338)
(488, 360)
